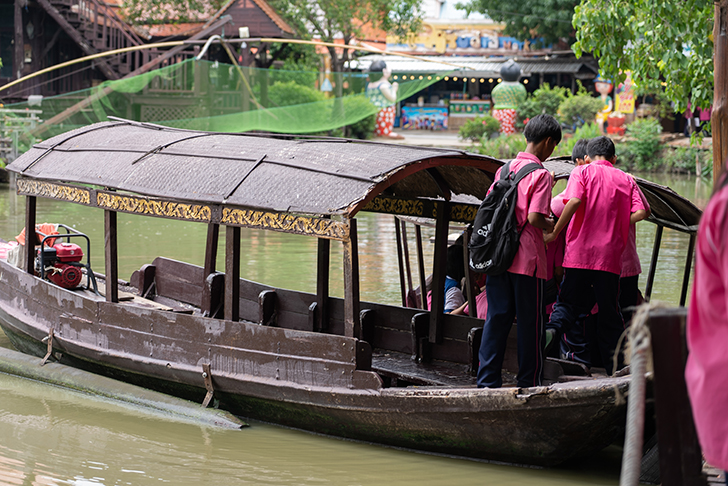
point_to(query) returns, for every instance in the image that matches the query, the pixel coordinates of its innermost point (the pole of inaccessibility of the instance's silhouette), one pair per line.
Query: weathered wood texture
(388, 327)
(680, 455)
(719, 115)
(439, 273)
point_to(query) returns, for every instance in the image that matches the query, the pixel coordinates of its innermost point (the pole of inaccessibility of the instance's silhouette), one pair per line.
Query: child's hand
(553, 179)
(549, 237)
(549, 225)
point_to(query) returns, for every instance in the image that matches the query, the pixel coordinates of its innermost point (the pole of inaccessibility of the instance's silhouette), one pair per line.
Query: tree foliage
(331, 20)
(169, 11)
(666, 45)
(528, 19)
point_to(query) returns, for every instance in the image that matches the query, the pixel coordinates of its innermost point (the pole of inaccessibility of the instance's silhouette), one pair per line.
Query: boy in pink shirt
(706, 372)
(603, 202)
(518, 292)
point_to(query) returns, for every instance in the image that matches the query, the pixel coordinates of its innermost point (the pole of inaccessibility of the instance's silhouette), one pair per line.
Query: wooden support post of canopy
(111, 256)
(686, 273)
(439, 271)
(400, 261)
(421, 267)
(322, 285)
(30, 238)
(719, 115)
(352, 326)
(213, 232)
(653, 262)
(232, 273)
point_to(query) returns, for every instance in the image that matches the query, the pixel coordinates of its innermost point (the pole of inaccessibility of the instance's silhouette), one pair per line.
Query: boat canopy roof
(234, 178)
(313, 176)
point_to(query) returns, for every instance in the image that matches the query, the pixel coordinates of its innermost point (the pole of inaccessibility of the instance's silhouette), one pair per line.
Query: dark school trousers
(578, 291)
(513, 295)
(579, 343)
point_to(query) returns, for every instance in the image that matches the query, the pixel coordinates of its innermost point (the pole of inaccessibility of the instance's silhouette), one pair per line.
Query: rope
(639, 344)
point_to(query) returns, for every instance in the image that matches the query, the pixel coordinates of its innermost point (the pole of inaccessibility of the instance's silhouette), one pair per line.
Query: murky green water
(53, 436)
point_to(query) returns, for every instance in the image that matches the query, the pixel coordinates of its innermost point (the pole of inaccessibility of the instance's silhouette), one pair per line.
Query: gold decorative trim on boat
(30, 187)
(286, 223)
(464, 213)
(153, 207)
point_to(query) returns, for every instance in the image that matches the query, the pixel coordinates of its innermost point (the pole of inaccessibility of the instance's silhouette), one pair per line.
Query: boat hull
(307, 380)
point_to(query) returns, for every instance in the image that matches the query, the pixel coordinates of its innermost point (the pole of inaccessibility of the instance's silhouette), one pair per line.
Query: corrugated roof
(308, 176)
(472, 65)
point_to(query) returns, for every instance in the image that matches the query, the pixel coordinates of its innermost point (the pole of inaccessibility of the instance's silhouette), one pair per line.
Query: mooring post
(680, 454)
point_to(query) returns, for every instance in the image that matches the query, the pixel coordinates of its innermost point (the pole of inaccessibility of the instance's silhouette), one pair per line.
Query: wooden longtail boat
(393, 375)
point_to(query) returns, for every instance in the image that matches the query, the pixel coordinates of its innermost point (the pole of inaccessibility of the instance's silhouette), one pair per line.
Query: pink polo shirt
(534, 196)
(706, 372)
(630, 259)
(599, 230)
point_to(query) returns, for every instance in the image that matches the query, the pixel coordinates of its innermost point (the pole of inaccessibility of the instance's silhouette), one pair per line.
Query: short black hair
(579, 151)
(601, 146)
(455, 262)
(541, 127)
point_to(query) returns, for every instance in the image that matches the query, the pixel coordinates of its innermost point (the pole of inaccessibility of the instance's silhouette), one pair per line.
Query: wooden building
(36, 34)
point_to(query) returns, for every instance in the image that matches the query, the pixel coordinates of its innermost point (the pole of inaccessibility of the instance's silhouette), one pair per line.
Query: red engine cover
(68, 252)
(65, 276)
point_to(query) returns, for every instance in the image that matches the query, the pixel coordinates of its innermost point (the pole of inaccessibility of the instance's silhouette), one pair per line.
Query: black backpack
(494, 242)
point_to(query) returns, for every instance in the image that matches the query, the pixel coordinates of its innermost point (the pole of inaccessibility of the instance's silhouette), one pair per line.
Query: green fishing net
(214, 96)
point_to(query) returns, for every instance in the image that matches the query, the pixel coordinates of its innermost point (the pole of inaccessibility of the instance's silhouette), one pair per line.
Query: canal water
(50, 435)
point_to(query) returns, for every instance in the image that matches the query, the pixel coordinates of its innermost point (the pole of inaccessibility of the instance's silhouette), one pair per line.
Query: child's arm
(638, 215)
(541, 222)
(566, 216)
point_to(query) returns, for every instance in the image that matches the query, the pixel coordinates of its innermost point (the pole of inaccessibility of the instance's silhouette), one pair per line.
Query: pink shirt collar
(530, 157)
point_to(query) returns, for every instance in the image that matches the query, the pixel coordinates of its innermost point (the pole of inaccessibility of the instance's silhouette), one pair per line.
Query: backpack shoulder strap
(505, 170)
(525, 170)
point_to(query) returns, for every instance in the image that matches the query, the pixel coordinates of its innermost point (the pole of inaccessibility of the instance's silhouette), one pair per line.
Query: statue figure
(383, 95)
(507, 96)
(604, 87)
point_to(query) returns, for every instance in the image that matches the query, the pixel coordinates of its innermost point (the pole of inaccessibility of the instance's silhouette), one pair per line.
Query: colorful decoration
(507, 96)
(625, 96)
(382, 94)
(604, 87)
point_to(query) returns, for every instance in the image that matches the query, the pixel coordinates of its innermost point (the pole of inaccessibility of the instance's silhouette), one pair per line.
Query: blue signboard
(424, 118)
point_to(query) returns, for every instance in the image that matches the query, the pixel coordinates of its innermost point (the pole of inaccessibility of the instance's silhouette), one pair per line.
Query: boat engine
(62, 265)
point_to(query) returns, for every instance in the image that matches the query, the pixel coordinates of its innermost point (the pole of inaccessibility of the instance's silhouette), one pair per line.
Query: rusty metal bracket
(49, 340)
(208, 384)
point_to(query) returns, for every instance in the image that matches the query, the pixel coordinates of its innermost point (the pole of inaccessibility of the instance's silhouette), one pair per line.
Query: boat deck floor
(398, 369)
